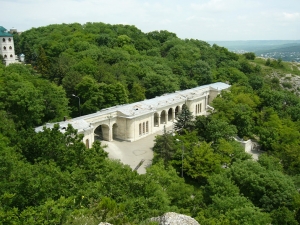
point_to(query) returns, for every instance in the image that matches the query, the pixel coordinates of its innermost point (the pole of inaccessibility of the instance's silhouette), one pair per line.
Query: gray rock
(172, 218)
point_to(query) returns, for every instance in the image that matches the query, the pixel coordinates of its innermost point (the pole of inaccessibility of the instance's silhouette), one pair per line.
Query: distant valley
(287, 50)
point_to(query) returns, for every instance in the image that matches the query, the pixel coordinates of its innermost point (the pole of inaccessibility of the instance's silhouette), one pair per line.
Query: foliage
(164, 147)
(162, 62)
(249, 55)
(50, 177)
(267, 189)
(211, 129)
(184, 120)
(201, 162)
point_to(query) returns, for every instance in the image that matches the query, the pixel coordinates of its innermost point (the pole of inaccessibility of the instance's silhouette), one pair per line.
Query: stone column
(129, 130)
(110, 133)
(173, 114)
(166, 117)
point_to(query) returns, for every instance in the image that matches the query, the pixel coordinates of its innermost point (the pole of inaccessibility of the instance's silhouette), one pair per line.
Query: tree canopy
(50, 177)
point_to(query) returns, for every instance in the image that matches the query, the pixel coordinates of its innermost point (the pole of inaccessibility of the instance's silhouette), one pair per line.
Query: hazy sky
(208, 20)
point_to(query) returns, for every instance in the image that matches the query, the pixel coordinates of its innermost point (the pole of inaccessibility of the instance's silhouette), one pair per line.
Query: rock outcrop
(172, 218)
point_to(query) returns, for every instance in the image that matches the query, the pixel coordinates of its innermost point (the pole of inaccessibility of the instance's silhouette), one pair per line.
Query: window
(87, 143)
(198, 108)
(5, 56)
(11, 55)
(144, 128)
(10, 48)
(147, 127)
(4, 48)
(140, 129)
(3, 39)
(9, 39)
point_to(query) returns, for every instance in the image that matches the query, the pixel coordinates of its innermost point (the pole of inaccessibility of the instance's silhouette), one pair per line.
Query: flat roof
(143, 107)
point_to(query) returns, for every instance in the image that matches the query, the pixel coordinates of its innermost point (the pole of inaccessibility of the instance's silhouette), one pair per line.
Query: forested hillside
(51, 178)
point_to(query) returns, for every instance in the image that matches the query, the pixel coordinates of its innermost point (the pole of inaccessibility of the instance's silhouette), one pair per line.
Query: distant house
(7, 48)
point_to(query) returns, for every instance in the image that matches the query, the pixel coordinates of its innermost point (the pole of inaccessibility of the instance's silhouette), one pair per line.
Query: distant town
(286, 50)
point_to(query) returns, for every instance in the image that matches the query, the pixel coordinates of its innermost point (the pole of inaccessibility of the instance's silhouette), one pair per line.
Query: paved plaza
(132, 153)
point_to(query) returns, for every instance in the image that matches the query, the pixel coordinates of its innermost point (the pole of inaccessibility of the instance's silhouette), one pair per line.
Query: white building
(7, 48)
(134, 121)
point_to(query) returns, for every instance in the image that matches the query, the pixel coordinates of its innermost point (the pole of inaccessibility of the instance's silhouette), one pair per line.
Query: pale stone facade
(7, 48)
(134, 121)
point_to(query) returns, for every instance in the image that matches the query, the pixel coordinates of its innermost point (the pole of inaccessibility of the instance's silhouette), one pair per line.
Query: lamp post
(78, 103)
(182, 154)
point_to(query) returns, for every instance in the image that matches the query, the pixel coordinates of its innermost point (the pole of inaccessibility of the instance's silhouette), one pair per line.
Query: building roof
(141, 108)
(151, 105)
(79, 125)
(4, 33)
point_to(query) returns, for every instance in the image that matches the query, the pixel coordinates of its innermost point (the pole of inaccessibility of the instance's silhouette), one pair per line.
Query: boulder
(172, 218)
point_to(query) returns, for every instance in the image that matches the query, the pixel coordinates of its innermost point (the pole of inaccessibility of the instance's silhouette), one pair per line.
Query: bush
(249, 55)
(286, 84)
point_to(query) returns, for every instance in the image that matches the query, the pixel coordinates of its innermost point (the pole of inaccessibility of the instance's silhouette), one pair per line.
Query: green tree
(185, 120)
(201, 162)
(267, 189)
(24, 102)
(283, 216)
(212, 129)
(90, 94)
(42, 63)
(243, 120)
(157, 85)
(55, 101)
(201, 73)
(178, 191)
(66, 149)
(249, 55)
(137, 93)
(164, 147)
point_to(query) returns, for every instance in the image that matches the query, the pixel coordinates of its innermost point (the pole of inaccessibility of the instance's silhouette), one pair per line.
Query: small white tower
(7, 48)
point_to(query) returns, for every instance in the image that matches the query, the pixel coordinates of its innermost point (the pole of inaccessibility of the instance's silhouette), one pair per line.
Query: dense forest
(51, 178)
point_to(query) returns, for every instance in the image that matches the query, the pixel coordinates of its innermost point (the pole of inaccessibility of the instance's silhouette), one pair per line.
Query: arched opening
(101, 133)
(170, 114)
(4, 48)
(156, 120)
(87, 143)
(163, 117)
(3, 39)
(10, 48)
(115, 131)
(177, 109)
(9, 39)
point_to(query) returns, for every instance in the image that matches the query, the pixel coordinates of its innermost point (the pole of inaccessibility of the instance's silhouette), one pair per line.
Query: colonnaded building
(134, 121)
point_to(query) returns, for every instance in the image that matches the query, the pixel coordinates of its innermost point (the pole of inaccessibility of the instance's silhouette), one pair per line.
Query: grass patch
(287, 85)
